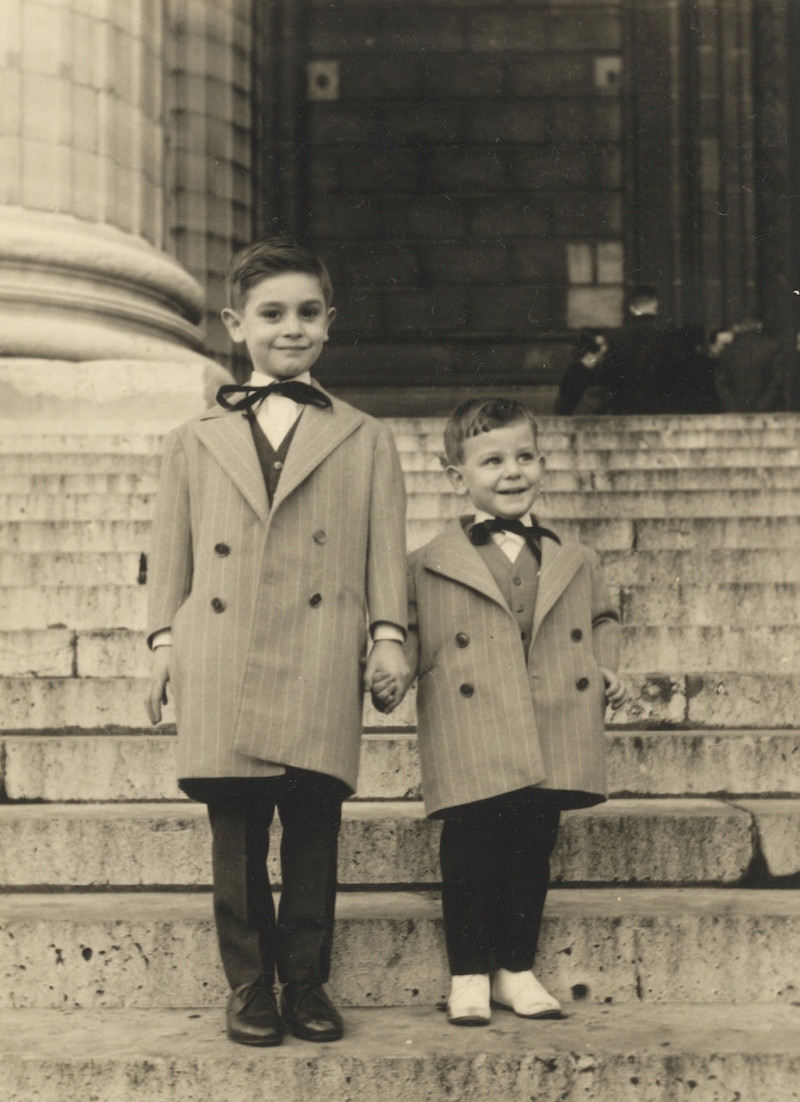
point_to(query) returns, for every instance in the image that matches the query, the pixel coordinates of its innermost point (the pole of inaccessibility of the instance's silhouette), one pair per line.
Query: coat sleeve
(412, 638)
(171, 561)
(606, 626)
(386, 553)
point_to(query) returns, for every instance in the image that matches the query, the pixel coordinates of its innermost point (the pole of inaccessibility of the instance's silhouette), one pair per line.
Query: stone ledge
(598, 946)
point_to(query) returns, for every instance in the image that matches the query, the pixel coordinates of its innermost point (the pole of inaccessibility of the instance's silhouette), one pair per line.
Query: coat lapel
(453, 556)
(228, 438)
(316, 436)
(559, 563)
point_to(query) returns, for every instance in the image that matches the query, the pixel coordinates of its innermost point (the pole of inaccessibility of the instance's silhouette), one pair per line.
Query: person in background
(751, 374)
(579, 375)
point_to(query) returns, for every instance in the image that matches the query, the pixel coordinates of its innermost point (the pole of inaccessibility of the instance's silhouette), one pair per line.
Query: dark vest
(271, 459)
(518, 581)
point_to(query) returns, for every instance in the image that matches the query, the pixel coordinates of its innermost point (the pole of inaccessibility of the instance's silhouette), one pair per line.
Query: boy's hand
(615, 690)
(159, 676)
(386, 674)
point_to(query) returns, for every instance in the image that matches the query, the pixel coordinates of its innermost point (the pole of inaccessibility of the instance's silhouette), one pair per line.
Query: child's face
(284, 322)
(501, 471)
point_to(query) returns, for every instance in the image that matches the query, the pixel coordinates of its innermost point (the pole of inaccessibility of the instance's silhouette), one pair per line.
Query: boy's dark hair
(272, 257)
(479, 415)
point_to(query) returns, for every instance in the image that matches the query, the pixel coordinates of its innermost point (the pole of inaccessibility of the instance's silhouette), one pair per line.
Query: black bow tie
(480, 533)
(290, 388)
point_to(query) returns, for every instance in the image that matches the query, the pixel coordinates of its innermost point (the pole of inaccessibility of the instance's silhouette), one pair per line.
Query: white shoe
(522, 993)
(469, 1000)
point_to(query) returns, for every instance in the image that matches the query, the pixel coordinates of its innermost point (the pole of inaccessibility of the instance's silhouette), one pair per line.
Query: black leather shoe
(253, 1017)
(309, 1013)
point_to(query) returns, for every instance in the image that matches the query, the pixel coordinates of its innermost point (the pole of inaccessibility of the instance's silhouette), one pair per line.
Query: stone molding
(75, 290)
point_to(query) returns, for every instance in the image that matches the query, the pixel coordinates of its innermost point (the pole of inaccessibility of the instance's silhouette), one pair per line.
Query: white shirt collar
(260, 378)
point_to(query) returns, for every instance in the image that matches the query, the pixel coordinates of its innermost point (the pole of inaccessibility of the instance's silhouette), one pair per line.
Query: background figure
(751, 377)
(634, 371)
(590, 349)
(687, 385)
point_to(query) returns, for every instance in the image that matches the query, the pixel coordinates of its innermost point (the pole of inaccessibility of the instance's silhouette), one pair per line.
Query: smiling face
(501, 471)
(284, 322)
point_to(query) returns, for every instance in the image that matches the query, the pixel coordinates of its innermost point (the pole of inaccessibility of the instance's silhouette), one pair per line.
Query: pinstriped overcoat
(488, 724)
(269, 607)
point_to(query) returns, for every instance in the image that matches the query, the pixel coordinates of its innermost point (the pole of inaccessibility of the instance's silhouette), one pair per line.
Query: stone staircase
(672, 932)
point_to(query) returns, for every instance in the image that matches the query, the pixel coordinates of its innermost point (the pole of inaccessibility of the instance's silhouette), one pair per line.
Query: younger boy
(279, 535)
(514, 641)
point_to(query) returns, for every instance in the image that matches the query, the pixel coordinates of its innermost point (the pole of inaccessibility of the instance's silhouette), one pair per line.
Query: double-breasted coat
(488, 722)
(269, 606)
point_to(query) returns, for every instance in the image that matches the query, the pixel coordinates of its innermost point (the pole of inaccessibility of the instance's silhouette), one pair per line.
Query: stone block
(31, 653)
(642, 948)
(743, 700)
(389, 843)
(79, 607)
(777, 825)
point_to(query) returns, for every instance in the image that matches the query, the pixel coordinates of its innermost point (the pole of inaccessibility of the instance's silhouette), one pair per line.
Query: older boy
(279, 535)
(514, 641)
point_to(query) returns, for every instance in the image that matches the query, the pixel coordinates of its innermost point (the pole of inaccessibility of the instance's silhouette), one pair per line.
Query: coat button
(576, 634)
(222, 549)
(315, 600)
(218, 604)
(517, 580)
(462, 639)
(319, 536)
(277, 465)
(466, 690)
(582, 683)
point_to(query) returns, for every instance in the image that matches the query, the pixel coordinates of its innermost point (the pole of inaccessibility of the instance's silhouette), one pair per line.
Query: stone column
(96, 320)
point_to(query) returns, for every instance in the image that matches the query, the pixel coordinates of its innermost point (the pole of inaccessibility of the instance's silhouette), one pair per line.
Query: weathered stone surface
(777, 824)
(638, 505)
(713, 604)
(76, 507)
(600, 1054)
(139, 764)
(602, 946)
(757, 648)
(85, 768)
(77, 606)
(744, 700)
(70, 568)
(37, 653)
(74, 535)
(389, 843)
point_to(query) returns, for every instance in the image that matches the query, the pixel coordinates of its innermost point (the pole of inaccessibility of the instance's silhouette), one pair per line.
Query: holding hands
(387, 676)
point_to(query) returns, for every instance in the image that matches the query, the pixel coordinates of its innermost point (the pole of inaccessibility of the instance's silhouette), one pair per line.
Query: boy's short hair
(272, 257)
(479, 415)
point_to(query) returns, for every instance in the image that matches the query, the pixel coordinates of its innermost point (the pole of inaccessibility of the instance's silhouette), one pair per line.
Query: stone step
(71, 568)
(424, 474)
(712, 604)
(694, 566)
(56, 471)
(86, 507)
(697, 699)
(82, 607)
(598, 946)
(636, 505)
(605, 1054)
(62, 652)
(604, 534)
(390, 843)
(111, 605)
(140, 765)
(74, 535)
(672, 481)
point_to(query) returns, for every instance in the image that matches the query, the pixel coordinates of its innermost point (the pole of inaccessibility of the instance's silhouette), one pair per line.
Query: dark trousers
(495, 865)
(254, 940)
